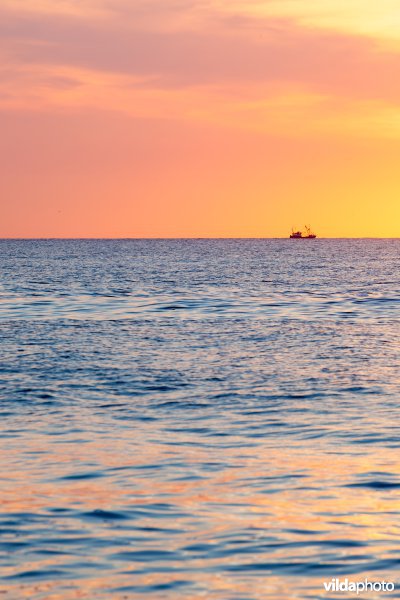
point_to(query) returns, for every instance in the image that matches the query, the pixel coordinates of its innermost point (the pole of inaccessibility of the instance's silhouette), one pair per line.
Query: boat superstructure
(303, 235)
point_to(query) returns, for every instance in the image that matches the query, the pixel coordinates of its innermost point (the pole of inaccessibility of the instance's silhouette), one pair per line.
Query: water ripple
(198, 419)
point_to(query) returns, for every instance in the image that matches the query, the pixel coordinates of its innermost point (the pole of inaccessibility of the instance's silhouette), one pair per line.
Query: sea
(199, 419)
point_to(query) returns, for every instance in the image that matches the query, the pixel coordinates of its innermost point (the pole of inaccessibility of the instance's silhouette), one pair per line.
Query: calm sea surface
(198, 419)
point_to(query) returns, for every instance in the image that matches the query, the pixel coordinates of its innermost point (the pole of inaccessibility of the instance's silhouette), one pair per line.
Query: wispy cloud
(234, 49)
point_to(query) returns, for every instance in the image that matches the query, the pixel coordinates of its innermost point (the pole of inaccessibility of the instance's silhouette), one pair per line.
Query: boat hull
(303, 237)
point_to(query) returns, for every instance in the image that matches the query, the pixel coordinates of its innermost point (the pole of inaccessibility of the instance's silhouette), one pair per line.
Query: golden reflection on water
(297, 493)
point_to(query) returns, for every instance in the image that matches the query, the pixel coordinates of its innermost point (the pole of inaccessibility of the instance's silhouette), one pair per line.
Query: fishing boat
(303, 235)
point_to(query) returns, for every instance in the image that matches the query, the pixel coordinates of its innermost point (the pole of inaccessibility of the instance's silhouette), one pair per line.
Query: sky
(199, 118)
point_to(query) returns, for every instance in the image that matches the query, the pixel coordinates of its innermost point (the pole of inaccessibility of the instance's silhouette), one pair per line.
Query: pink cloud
(226, 50)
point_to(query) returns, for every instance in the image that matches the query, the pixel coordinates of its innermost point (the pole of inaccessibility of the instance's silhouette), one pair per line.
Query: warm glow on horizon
(224, 119)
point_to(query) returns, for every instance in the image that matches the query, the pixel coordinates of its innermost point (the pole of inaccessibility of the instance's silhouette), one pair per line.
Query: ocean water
(198, 419)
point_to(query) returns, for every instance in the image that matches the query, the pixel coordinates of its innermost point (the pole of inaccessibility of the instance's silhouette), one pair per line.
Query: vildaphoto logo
(345, 585)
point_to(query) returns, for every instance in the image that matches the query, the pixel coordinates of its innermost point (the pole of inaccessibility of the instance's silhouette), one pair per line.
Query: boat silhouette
(303, 235)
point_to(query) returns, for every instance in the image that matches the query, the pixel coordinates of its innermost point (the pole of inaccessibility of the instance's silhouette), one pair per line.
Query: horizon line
(77, 238)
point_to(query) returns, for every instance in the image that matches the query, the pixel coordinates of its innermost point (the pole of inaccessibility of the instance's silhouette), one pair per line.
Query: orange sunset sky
(186, 118)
